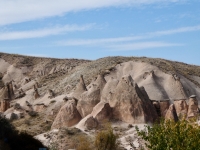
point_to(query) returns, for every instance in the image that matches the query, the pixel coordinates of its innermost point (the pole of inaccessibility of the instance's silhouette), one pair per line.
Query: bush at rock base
(169, 135)
(106, 140)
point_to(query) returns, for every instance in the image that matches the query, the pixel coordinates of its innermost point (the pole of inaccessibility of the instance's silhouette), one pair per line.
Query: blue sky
(91, 29)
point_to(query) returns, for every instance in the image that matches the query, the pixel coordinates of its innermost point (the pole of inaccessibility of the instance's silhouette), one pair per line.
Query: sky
(92, 29)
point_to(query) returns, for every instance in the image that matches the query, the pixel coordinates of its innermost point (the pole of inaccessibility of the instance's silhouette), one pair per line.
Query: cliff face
(86, 94)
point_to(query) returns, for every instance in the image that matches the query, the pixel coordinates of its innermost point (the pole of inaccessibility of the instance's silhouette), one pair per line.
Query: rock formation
(39, 107)
(80, 88)
(88, 100)
(102, 112)
(181, 108)
(129, 103)
(164, 106)
(91, 123)
(92, 97)
(51, 94)
(67, 116)
(36, 94)
(21, 94)
(193, 109)
(100, 82)
(171, 114)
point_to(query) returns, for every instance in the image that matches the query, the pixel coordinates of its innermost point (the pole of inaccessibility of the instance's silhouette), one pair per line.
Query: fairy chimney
(171, 114)
(193, 109)
(36, 94)
(181, 108)
(80, 88)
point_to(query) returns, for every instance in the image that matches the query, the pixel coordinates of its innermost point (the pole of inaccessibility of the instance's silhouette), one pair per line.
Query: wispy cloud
(106, 41)
(15, 11)
(14, 35)
(141, 45)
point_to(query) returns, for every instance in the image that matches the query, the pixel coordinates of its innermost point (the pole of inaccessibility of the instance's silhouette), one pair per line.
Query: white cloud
(13, 35)
(15, 11)
(141, 45)
(106, 41)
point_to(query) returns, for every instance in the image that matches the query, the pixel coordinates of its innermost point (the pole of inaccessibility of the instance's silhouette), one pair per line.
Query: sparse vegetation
(12, 139)
(169, 135)
(106, 140)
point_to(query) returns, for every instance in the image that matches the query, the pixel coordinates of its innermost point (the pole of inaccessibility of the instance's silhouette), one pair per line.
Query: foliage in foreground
(10, 139)
(169, 135)
(106, 140)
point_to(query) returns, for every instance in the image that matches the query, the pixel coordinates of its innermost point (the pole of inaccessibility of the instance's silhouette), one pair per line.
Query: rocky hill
(42, 95)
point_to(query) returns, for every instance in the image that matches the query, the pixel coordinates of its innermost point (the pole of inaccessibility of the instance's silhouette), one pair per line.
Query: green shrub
(169, 135)
(106, 140)
(84, 143)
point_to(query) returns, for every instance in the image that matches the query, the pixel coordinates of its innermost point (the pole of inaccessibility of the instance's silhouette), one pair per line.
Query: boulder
(181, 108)
(171, 114)
(39, 107)
(193, 109)
(130, 104)
(67, 116)
(91, 123)
(36, 93)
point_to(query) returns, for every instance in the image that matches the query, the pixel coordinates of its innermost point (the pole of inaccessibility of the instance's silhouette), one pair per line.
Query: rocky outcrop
(130, 104)
(36, 93)
(100, 82)
(164, 106)
(102, 112)
(21, 94)
(80, 88)
(88, 100)
(39, 107)
(171, 114)
(181, 108)
(4, 105)
(51, 94)
(91, 123)
(67, 116)
(92, 97)
(193, 109)
(109, 89)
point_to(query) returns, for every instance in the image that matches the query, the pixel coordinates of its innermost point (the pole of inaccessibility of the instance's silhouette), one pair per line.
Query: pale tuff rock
(102, 112)
(109, 89)
(171, 113)
(51, 94)
(21, 94)
(88, 100)
(164, 106)
(100, 82)
(80, 88)
(36, 94)
(67, 116)
(193, 109)
(4, 105)
(91, 123)
(181, 108)
(39, 107)
(129, 103)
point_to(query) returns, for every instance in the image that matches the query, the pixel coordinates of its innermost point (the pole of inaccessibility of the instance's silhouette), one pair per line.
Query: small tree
(106, 140)
(169, 135)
